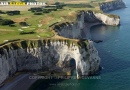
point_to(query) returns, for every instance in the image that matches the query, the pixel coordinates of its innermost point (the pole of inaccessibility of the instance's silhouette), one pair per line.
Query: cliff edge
(75, 29)
(55, 54)
(112, 5)
(48, 55)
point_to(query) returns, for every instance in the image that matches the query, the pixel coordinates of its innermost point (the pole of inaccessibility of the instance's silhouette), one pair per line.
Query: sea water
(115, 58)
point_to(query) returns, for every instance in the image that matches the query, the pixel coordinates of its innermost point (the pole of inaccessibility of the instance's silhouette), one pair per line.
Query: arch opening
(72, 64)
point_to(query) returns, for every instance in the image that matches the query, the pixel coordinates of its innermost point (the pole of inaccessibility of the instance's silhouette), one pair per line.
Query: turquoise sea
(115, 58)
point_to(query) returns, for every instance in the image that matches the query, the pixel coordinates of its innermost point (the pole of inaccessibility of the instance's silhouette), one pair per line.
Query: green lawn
(38, 23)
(9, 33)
(46, 34)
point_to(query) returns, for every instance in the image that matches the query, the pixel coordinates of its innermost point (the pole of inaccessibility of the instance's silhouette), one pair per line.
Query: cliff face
(112, 5)
(71, 29)
(45, 55)
(74, 29)
(108, 20)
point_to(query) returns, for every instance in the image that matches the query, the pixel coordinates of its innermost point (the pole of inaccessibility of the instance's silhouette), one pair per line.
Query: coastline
(24, 78)
(21, 82)
(86, 30)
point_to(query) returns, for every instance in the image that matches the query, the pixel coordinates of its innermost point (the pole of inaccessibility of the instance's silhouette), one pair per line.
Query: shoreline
(86, 30)
(21, 82)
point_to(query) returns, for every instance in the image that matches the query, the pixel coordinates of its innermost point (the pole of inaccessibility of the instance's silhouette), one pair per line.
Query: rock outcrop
(112, 5)
(108, 19)
(49, 54)
(74, 29)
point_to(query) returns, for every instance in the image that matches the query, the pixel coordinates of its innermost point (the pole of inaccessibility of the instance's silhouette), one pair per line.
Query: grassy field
(8, 33)
(39, 23)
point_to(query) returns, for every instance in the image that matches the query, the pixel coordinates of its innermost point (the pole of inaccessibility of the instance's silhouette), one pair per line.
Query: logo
(13, 3)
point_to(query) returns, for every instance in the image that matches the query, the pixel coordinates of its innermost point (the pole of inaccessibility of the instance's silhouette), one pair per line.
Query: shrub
(6, 22)
(57, 3)
(1, 12)
(59, 6)
(23, 24)
(46, 10)
(12, 25)
(35, 9)
(16, 12)
(23, 32)
(38, 13)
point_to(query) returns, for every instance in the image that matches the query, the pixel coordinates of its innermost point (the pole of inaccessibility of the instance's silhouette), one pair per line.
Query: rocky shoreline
(28, 54)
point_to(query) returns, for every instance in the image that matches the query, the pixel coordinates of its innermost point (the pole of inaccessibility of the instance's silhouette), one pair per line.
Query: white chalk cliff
(74, 29)
(107, 20)
(47, 55)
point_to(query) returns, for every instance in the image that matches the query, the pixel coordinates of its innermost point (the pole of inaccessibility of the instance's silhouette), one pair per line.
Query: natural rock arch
(34, 55)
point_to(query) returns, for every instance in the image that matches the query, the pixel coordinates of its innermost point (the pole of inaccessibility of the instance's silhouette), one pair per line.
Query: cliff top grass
(34, 43)
(40, 24)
